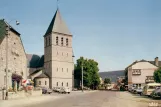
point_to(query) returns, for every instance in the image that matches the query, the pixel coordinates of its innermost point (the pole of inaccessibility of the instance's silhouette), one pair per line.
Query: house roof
(58, 25)
(43, 75)
(152, 62)
(35, 61)
(3, 26)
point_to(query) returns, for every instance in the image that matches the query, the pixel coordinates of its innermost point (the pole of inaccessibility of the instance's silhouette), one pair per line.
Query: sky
(114, 33)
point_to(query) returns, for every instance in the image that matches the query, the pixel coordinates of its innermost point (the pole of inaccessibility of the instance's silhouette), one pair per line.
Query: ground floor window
(67, 84)
(45, 82)
(57, 84)
(39, 82)
(62, 83)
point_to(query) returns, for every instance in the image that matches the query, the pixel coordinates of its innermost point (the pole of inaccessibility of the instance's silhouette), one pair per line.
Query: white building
(141, 72)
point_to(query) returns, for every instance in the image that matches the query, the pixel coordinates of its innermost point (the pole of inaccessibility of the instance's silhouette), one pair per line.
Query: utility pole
(82, 76)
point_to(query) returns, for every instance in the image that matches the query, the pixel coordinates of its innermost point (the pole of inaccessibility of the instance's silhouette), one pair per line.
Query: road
(94, 99)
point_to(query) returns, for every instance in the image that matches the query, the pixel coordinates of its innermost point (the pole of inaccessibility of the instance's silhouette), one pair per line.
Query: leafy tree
(125, 81)
(90, 72)
(106, 82)
(157, 75)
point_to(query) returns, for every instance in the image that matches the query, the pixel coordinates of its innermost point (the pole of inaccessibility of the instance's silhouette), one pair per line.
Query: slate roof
(112, 75)
(3, 26)
(152, 62)
(43, 75)
(35, 61)
(57, 25)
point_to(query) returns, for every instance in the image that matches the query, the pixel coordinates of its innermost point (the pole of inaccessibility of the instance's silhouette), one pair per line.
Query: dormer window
(62, 41)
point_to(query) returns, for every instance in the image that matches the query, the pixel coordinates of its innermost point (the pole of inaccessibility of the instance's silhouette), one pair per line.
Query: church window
(62, 69)
(67, 84)
(57, 40)
(62, 83)
(66, 41)
(46, 41)
(57, 84)
(67, 69)
(62, 41)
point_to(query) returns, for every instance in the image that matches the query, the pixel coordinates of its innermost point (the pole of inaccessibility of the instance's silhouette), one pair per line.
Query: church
(53, 69)
(56, 67)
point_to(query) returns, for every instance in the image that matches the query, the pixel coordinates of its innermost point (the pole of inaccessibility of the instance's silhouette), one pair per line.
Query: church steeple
(58, 25)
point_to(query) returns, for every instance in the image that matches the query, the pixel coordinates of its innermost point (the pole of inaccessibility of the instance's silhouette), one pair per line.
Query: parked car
(149, 88)
(156, 93)
(46, 90)
(139, 90)
(58, 89)
(134, 89)
(64, 90)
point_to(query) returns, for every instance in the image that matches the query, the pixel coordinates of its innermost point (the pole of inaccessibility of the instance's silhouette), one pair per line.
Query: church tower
(58, 55)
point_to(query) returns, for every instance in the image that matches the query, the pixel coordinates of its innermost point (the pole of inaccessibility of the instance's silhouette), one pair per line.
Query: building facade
(17, 62)
(58, 55)
(141, 72)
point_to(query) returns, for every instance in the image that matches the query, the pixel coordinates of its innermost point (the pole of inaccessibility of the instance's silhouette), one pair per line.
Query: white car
(64, 90)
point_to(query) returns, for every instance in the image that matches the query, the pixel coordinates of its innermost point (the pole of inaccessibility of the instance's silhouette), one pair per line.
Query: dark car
(156, 93)
(46, 90)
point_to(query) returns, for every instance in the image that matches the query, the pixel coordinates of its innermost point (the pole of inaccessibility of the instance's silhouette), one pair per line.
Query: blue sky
(113, 32)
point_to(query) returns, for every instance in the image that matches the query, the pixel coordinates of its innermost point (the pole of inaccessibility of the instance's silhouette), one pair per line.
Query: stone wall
(17, 62)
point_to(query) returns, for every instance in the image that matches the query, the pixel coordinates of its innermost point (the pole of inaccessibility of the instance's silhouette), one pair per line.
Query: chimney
(156, 61)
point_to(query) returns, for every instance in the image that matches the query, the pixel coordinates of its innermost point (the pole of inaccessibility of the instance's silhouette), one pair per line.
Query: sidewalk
(27, 101)
(38, 99)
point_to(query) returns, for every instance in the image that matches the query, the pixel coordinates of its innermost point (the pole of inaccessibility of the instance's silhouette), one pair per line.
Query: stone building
(58, 55)
(17, 62)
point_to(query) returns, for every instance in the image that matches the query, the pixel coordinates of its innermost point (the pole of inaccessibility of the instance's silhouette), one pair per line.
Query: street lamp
(8, 30)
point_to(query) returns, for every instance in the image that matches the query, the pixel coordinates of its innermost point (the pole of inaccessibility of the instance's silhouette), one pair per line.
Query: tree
(157, 75)
(90, 72)
(106, 82)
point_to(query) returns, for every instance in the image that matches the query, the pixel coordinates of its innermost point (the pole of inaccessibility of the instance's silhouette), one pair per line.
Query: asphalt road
(93, 99)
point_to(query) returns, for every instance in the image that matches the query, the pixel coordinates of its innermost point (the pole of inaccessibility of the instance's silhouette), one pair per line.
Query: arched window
(62, 69)
(57, 84)
(62, 83)
(67, 84)
(57, 39)
(57, 69)
(66, 41)
(67, 69)
(62, 41)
